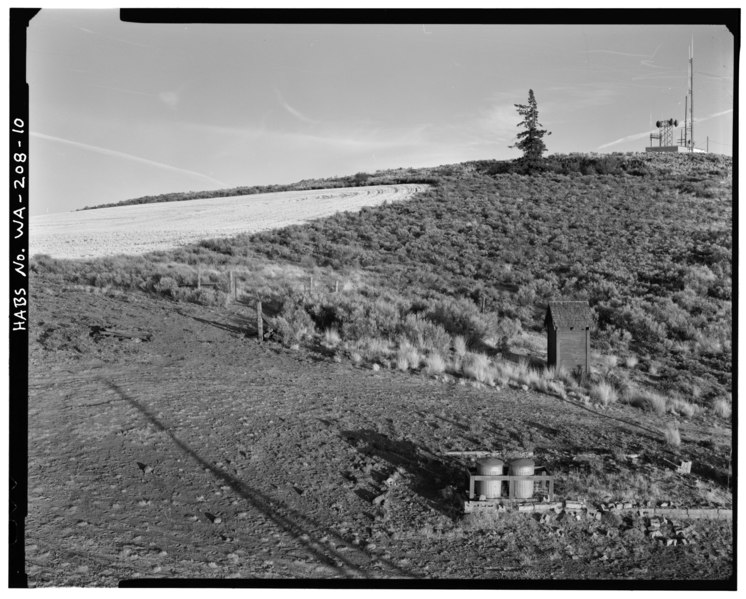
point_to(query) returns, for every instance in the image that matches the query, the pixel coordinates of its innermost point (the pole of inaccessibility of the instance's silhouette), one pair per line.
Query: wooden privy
(569, 335)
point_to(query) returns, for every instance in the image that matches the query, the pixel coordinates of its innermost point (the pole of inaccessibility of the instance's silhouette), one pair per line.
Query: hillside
(164, 441)
(648, 243)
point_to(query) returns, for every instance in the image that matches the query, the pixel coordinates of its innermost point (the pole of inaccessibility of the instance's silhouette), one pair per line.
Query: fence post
(199, 278)
(232, 285)
(336, 287)
(259, 321)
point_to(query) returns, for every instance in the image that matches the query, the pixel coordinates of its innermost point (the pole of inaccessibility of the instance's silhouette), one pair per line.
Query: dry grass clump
(671, 434)
(609, 361)
(555, 387)
(722, 408)
(676, 405)
(648, 401)
(454, 365)
(558, 374)
(435, 364)
(375, 347)
(660, 404)
(505, 370)
(477, 367)
(603, 393)
(459, 346)
(408, 357)
(630, 362)
(331, 338)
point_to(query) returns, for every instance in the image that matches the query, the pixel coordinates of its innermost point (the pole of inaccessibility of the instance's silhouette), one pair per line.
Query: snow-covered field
(142, 228)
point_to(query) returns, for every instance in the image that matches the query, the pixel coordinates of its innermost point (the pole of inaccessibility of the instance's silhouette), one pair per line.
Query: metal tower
(665, 132)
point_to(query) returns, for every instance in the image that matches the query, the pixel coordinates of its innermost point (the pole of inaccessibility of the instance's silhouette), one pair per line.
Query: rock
(393, 479)
(376, 367)
(524, 387)
(380, 499)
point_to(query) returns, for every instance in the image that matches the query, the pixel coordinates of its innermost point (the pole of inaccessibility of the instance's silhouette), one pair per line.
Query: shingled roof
(569, 314)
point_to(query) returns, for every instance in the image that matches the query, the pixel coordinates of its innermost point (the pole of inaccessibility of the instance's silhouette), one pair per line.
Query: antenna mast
(691, 93)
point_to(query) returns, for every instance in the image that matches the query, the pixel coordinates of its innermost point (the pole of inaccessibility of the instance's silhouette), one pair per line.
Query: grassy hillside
(467, 268)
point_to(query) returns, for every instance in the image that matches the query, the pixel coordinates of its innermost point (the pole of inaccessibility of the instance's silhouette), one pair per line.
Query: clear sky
(120, 110)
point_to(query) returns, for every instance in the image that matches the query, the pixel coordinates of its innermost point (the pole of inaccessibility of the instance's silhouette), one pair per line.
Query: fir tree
(530, 140)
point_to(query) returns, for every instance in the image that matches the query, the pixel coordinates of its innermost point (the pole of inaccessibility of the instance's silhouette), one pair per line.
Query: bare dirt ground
(197, 452)
(138, 229)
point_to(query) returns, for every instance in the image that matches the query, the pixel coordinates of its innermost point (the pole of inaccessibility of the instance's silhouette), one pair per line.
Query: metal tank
(523, 489)
(491, 489)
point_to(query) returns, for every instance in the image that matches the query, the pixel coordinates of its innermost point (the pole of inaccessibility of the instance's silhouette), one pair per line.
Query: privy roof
(569, 314)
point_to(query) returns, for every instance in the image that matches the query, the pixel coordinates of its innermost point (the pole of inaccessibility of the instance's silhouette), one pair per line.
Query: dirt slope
(199, 453)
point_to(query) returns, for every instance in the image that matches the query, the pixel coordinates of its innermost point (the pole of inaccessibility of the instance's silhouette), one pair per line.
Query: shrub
(603, 393)
(284, 331)
(373, 348)
(532, 378)
(648, 401)
(459, 346)
(407, 357)
(477, 367)
(425, 334)
(435, 364)
(462, 317)
(331, 338)
(630, 361)
(677, 405)
(722, 408)
(671, 434)
(167, 286)
(556, 373)
(204, 297)
(555, 387)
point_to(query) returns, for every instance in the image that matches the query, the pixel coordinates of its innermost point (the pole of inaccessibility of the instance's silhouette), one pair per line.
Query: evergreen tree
(530, 140)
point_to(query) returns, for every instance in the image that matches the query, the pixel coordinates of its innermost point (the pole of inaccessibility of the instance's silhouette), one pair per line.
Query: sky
(120, 110)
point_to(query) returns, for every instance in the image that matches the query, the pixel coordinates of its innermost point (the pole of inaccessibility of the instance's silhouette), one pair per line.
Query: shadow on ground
(299, 526)
(430, 473)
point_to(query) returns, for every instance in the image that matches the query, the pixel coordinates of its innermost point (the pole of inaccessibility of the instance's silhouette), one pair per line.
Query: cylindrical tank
(523, 489)
(490, 488)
